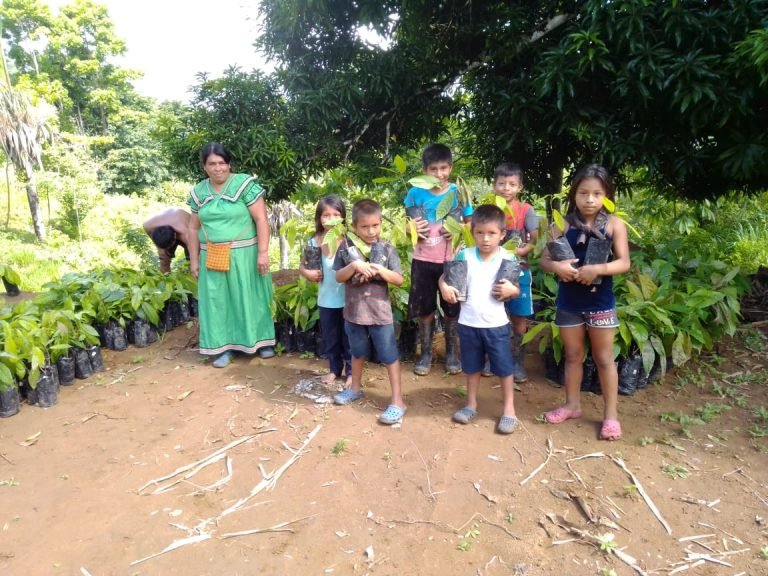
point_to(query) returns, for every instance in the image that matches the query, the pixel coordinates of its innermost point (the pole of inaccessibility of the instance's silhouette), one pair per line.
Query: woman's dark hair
(488, 213)
(590, 171)
(328, 202)
(217, 149)
(508, 169)
(164, 237)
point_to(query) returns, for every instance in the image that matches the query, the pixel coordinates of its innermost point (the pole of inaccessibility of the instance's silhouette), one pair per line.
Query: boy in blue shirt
(483, 327)
(431, 252)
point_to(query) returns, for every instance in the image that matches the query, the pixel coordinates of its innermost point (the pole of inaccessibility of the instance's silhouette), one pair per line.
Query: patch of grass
(753, 340)
(675, 471)
(472, 534)
(683, 420)
(731, 393)
(631, 492)
(340, 447)
(763, 554)
(645, 440)
(137, 359)
(710, 411)
(460, 391)
(607, 542)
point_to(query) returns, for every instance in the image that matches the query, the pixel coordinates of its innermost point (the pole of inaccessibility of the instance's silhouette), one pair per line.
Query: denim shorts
(382, 336)
(477, 342)
(601, 319)
(523, 304)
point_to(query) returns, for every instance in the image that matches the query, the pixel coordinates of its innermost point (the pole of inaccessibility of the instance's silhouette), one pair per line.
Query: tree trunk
(283, 252)
(34, 207)
(8, 184)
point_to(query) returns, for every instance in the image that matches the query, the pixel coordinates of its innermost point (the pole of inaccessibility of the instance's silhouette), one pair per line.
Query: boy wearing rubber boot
(523, 223)
(431, 252)
(483, 325)
(368, 312)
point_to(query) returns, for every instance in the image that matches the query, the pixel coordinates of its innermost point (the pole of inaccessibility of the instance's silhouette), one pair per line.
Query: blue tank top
(575, 297)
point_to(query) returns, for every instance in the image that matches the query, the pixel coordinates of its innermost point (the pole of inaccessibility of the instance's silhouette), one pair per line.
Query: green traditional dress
(233, 306)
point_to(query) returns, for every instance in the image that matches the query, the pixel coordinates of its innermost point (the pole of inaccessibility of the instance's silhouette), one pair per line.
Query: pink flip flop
(611, 430)
(561, 414)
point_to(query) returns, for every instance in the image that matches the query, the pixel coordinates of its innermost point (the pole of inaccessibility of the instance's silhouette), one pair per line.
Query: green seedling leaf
(400, 164)
(365, 250)
(445, 206)
(559, 220)
(424, 181)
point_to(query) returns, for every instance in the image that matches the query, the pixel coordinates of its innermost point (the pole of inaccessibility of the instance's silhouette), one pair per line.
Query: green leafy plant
(607, 542)
(340, 447)
(675, 471)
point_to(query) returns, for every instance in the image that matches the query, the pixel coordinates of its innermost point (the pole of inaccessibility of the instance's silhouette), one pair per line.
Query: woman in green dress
(234, 304)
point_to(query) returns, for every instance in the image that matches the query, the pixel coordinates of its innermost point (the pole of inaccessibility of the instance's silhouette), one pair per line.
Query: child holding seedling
(367, 310)
(432, 250)
(585, 299)
(482, 324)
(522, 224)
(317, 266)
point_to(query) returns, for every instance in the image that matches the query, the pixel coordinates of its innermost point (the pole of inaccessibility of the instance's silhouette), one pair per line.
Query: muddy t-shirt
(368, 304)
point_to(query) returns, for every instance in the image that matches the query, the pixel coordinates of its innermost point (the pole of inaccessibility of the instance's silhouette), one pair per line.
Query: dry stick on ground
(538, 469)
(174, 545)
(620, 463)
(4, 457)
(276, 528)
(595, 541)
(183, 469)
(447, 527)
(430, 494)
(270, 481)
(124, 374)
(190, 340)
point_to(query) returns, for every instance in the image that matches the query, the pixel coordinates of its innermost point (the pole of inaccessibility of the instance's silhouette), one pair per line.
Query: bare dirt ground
(427, 497)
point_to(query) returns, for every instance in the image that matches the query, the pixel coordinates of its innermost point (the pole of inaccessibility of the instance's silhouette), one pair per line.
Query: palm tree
(24, 128)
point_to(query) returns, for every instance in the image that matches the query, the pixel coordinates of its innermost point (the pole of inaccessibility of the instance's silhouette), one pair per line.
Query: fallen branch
(270, 481)
(175, 545)
(276, 528)
(620, 463)
(445, 526)
(124, 374)
(183, 469)
(430, 493)
(540, 466)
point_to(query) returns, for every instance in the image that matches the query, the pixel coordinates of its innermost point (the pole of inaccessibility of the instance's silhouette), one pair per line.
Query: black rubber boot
(452, 361)
(424, 362)
(518, 355)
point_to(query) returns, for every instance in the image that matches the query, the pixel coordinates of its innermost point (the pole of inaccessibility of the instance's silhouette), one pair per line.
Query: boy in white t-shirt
(483, 324)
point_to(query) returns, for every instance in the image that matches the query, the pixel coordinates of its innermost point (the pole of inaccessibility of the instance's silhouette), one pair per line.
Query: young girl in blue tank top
(583, 306)
(330, 299)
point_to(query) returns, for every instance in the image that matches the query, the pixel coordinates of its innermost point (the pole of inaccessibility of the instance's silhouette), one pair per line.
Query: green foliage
(248, 114)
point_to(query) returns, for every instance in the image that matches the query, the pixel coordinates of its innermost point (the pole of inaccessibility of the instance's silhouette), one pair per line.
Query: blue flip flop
(347, 396)
(392, 415)
(507, 424)
(465, 415)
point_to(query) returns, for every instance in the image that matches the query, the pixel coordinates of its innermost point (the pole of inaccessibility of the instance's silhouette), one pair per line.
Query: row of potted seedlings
(55, 338)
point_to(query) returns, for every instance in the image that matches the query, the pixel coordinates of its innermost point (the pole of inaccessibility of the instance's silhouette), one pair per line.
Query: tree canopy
(675, 87)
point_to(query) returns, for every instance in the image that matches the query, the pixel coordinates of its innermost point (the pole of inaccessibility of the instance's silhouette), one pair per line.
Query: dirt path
(429, 497)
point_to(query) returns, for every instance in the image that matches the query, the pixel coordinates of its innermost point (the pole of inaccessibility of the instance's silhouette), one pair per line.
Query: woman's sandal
(561, 414)
(611, 430)
(392, 415)
(464, 415)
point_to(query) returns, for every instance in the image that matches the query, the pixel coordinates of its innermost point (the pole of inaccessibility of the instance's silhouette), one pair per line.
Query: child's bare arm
(389, 276)
(449, 293)
(358, 266)
(505, 290)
